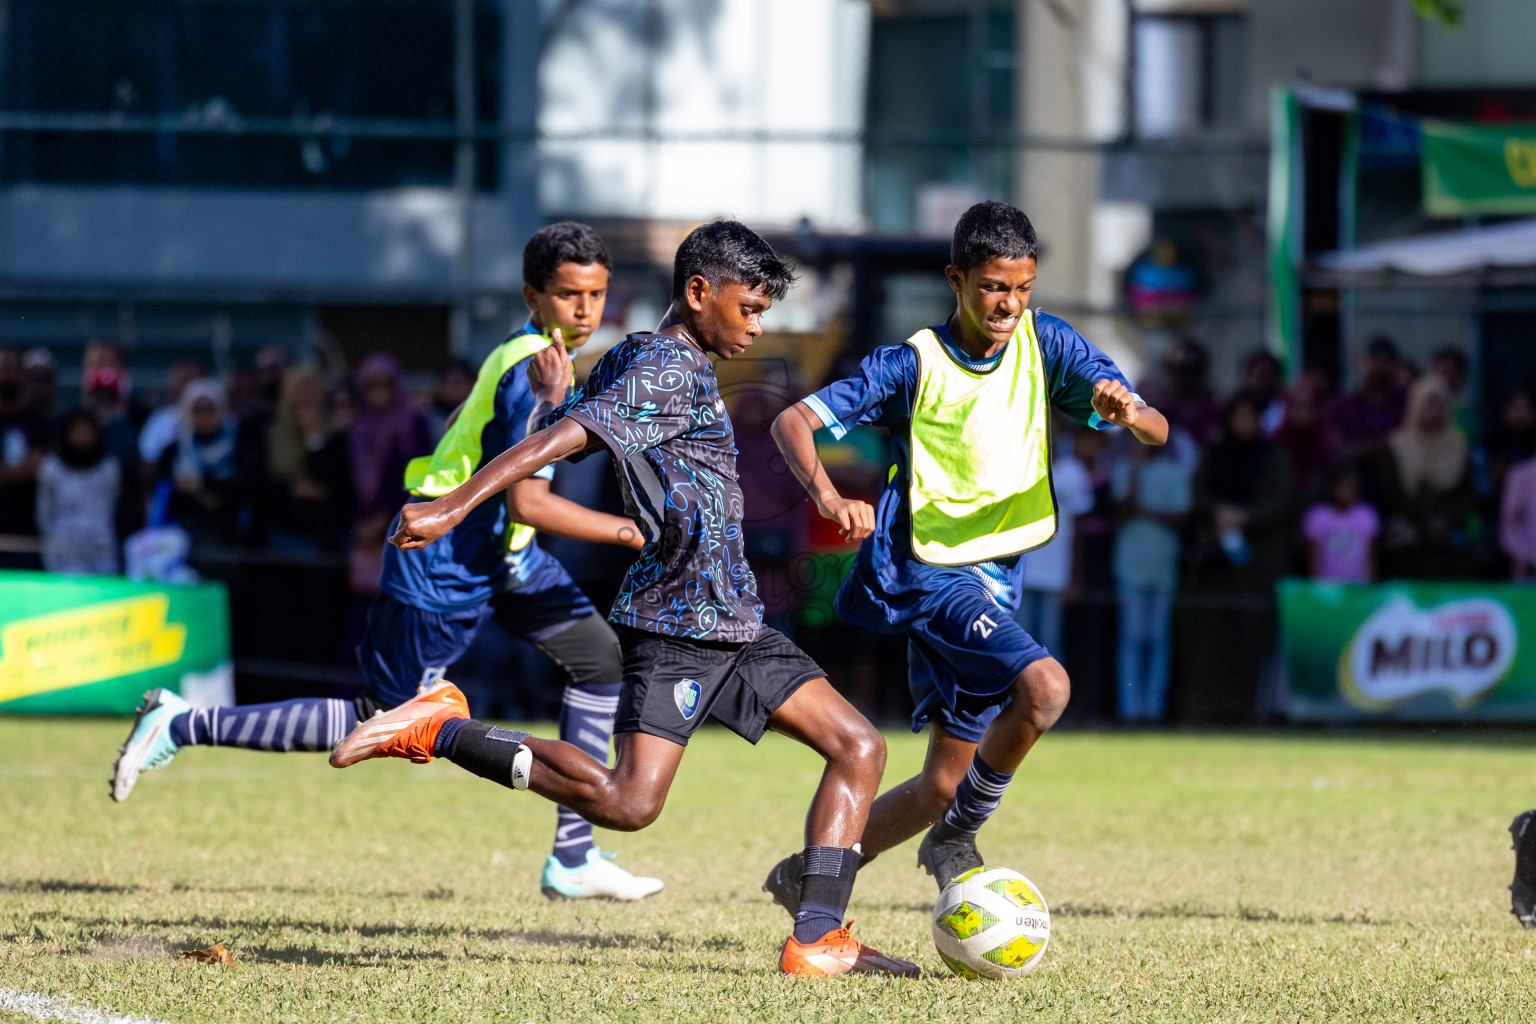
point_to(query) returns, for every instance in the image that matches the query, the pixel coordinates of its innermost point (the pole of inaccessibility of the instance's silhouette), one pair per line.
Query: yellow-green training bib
(980, 484)
(454, 459)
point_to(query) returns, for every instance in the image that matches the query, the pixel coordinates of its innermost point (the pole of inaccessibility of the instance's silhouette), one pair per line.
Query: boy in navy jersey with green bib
(942, 558)
(688, 616)
(433, 601)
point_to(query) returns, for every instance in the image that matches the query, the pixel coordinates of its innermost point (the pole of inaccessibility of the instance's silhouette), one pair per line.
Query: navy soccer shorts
(406, 648)
(963, 655)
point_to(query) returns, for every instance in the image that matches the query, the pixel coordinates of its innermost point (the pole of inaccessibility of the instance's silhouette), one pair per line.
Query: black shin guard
(827, 878)
(487, 751)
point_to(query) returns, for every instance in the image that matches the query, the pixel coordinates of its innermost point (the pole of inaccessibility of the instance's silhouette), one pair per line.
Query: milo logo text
(1462, 648)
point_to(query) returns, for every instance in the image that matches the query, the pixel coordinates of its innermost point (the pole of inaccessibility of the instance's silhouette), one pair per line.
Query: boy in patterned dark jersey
(688, 616)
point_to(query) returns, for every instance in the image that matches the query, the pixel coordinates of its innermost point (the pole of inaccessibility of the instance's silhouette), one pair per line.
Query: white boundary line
(33, 1004)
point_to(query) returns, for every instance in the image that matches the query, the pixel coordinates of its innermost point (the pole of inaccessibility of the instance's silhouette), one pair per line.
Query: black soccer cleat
(1522, 891)
(783, 882)
(946, 853)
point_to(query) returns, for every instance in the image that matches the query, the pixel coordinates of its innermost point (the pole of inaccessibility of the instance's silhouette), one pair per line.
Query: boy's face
(725, 320)
(992, 297)
(572, 300)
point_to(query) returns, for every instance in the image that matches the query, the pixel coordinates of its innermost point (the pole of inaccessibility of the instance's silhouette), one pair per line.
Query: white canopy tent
(1491, 247)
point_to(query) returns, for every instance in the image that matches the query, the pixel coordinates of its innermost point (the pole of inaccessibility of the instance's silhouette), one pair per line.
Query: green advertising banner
(1478, 168)
(1408, 651)
(94, 644)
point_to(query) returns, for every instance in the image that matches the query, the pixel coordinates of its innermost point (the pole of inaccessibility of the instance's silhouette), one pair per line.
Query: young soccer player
(435, 600)
(968, 401)
(688, 616)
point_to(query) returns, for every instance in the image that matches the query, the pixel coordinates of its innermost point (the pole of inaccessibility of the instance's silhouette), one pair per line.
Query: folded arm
(533, 503)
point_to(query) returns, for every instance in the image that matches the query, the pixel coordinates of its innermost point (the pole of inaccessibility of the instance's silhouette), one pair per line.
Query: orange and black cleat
(838, 952)
(409, 730)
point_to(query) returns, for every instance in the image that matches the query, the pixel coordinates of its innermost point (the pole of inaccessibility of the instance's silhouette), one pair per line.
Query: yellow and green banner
(1407, 651)
(94, 644)
(1478, 168)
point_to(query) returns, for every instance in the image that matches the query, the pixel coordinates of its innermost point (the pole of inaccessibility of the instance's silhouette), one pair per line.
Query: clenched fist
(1114, 403)
(855, 519)
(424, 522)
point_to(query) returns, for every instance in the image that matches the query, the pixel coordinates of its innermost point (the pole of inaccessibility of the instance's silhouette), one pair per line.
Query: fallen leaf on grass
(215, 954)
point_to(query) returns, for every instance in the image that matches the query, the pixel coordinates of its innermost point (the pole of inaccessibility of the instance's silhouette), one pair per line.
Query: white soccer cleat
(599, 878)
(149, 744)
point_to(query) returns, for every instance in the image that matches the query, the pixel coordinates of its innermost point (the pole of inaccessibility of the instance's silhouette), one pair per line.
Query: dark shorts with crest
(671, 684)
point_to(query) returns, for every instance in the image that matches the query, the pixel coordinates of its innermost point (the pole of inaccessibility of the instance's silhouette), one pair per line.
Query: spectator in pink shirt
(1341, 532)
(1517, 519)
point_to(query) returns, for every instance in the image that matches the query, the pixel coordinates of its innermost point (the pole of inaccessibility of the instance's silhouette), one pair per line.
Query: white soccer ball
(991, 923)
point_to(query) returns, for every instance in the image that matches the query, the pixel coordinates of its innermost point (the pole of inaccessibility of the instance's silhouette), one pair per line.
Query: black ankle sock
(486, 750)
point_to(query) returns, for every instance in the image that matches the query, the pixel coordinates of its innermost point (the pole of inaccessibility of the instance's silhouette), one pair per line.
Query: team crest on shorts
(686, 693)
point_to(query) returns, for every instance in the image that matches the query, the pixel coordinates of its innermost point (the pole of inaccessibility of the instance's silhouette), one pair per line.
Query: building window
(1188, 73)
(225, 63)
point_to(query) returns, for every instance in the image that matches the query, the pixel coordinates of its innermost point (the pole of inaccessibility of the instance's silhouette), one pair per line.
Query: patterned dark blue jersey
(654, 402)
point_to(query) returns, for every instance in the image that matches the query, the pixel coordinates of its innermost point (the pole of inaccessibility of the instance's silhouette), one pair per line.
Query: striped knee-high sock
(307, 723)
(976, 797)
(586, 720)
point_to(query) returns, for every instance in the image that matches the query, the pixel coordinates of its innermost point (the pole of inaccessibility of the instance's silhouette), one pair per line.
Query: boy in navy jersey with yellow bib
(942, 558)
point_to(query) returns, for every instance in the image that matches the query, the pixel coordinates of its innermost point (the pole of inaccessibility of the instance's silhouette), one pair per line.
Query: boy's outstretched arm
(794, 430)
(425, 522)
(1115, 404)
(549, 376)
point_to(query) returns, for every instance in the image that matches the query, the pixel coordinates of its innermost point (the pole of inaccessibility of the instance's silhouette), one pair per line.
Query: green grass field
(1191, 877)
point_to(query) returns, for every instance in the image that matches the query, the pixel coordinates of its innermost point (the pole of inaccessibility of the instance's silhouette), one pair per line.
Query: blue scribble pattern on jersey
(655, 403)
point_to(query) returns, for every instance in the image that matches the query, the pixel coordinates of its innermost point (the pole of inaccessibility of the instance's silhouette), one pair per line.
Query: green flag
(1478, 168)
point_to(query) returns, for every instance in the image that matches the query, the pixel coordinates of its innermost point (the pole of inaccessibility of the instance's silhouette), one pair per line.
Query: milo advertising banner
(1409, 651)
(94, 644)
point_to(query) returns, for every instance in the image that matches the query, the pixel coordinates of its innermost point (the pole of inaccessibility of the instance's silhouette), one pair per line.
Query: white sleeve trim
(547, 473)
(824, 414)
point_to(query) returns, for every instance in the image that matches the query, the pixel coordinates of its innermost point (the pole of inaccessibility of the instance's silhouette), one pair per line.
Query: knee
(860, 744)
(1046, 692)
(630, 814)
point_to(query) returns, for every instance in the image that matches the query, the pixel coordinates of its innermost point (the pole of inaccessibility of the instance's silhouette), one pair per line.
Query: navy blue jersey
(471, 563)
(654, 401)
(889, 588)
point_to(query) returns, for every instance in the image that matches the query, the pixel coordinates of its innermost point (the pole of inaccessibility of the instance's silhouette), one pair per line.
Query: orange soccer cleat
(409, 730)
(838, 952)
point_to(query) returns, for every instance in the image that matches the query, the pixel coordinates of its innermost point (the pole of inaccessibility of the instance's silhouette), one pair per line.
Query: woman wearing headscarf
(386, 434)
(198, 476)
(1427, 488)
(77, 490)
(1244, 503)
(308, 467)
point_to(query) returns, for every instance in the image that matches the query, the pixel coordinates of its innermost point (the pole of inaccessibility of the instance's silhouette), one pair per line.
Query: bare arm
(425, 522)
(532, 502)
(795, 433)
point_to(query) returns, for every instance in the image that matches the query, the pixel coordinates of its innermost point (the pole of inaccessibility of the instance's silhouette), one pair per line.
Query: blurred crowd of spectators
(278, 456)
(1398, 478)
(1161, 550)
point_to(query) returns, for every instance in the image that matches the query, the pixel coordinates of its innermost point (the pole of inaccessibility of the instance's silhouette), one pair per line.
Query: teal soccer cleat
(599, 878)
(149, 744)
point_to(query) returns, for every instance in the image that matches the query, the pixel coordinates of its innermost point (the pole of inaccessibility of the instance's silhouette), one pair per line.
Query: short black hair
(992, 230)
(728, 250)
(565, 242)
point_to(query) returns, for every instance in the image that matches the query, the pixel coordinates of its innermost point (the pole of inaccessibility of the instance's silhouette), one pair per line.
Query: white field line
(33, 1004)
